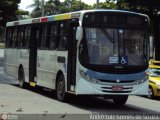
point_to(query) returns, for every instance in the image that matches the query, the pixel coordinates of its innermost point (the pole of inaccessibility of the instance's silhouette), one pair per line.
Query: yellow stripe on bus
(33, 84)
(62, 17)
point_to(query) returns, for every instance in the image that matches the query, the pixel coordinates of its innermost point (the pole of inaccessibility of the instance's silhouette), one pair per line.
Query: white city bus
(90, 52)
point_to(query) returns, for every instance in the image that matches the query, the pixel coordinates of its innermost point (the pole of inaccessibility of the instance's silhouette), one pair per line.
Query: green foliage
(106, 5)
(21, 14)
(8, 10)
(53, 7)
(37, 6)
(150, 7)
(36, 13)
(73, 5)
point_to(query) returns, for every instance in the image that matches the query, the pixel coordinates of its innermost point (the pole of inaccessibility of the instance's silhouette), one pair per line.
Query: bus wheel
(22, 82)
(120, 100)
(60, 89)
(150, 93)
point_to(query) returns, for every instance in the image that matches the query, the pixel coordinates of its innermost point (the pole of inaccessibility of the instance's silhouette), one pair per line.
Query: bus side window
(43, 37)
(27, 36)
(14, 37)
(23, 36)
(20, 36)
(9, 37)
(62, 41)
(51, 42)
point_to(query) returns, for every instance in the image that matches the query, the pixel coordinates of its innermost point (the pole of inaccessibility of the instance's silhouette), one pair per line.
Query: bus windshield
(102, 46)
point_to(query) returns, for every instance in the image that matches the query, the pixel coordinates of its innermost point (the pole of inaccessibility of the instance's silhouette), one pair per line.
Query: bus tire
(60, 89)
(150, 93)
(120, 100)
(22, 83)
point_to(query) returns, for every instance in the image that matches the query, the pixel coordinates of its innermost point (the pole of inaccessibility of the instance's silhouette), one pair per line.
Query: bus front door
(33, 55)
(72, 53)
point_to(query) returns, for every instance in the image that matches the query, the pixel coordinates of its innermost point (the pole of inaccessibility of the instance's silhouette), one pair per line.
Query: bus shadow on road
(98, 104)
(93, 103)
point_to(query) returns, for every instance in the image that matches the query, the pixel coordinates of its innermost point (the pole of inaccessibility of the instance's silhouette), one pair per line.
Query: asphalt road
(39, 104)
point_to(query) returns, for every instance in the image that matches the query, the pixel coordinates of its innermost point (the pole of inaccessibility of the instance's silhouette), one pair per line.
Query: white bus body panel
(48, 67)
(11, 65)
(83, 87)
(13, 59)
(24, 61)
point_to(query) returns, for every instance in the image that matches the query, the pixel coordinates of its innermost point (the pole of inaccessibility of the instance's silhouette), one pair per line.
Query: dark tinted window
(62, 41)
(9, 37)
(114, 19)
(52, 36)
(43, 36)
(21, 36)
(14, 37)
(27, 36)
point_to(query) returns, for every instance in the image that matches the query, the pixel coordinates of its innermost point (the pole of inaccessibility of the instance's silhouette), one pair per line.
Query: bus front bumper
(84, 87)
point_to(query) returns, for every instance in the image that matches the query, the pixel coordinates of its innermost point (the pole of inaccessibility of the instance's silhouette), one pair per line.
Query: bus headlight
(87, 77)
(142, 80)
(158, 85)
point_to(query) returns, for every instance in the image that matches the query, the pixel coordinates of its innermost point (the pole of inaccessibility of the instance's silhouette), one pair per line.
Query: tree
(8, 10)
(72, 5)
(106, 5)
(78, 5)
(21, 14)
(42, 8)
(52, 7)
(38, 8)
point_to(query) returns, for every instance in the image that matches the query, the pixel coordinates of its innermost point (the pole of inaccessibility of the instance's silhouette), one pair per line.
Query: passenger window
(52, 36)
(43, 36)
(27, 36)
(62, 41)
(14, 37)
(9, 37)
(20, 36)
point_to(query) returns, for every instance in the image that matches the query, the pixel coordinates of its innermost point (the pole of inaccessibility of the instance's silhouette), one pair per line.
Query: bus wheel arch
(60, 87)
(21, 77)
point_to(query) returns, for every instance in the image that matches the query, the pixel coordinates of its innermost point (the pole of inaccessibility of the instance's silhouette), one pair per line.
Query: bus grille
(109, 90)
(114, 81)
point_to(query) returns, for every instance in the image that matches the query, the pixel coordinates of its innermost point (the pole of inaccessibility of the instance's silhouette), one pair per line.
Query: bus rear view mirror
(79, 33)
(151, 47)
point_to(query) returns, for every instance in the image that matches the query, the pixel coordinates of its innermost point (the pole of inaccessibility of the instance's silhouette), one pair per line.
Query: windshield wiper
(107, 35)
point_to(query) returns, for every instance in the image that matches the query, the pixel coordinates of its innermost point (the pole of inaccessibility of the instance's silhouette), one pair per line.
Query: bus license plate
(117, 88)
